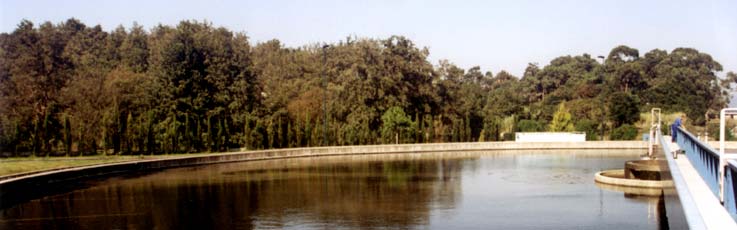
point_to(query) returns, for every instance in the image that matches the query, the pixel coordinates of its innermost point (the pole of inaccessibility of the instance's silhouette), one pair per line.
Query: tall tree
(562, 120)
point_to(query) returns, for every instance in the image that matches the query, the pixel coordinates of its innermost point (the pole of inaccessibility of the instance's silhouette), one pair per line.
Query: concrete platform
(695, 194)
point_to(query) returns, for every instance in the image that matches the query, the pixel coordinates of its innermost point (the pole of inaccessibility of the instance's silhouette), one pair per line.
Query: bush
(589, 127)
(713, 129)
(624, 108)
(624, 132)
(529, 126)
(562, 121)
(509, 136)
(397, 126)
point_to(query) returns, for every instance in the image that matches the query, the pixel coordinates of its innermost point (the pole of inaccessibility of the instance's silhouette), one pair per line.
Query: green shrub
(589, 127)
(624, 108)
(509, 136)
(562, 121)
(624, 132)
(529, 126)
(713, 128)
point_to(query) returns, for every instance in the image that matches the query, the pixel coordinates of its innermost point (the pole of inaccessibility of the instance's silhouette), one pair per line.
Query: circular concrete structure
(617, 177)
(638, 191)
(637, 173)
(644, 165)
(644, 169)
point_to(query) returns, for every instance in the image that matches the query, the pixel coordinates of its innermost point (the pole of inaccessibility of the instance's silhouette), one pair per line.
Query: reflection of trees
(365, 195)
(349, 191)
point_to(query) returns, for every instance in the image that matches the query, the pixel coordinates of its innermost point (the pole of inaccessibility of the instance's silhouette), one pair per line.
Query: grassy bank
(15, 165)
(28, 164)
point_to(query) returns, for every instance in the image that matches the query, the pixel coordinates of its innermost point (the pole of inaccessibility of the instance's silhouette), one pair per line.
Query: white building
(549, 137)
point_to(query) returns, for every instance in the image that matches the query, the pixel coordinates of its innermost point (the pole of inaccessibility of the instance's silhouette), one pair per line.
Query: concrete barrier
(25, 186)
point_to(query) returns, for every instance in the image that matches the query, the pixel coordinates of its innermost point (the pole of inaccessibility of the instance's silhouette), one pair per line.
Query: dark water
(542, 190)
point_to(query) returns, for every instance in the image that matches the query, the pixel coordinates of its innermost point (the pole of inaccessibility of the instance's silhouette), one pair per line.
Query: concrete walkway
(712, 212)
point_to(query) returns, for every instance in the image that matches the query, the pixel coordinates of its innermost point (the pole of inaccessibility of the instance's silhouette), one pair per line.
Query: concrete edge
(339, 150)
(602, 177)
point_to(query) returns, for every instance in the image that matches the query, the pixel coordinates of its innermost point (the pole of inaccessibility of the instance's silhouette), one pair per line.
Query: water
(492, 190)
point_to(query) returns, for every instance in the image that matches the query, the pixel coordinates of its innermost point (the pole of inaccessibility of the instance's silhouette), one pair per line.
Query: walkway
(712, 214)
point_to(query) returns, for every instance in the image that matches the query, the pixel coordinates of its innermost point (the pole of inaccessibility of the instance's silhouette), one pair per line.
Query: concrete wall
(16, 189)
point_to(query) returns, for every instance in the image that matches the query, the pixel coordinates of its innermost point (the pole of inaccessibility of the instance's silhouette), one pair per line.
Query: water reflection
(653, 197)
(436, 191)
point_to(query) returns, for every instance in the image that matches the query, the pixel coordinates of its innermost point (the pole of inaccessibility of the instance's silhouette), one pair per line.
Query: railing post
(723, 156)
(653, 127)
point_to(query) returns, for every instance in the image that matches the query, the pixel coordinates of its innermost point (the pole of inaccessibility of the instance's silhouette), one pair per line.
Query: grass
(666, 118)
(15, 165)
(28, 164)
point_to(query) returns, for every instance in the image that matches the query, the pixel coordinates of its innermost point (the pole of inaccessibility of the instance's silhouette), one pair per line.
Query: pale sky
(496, 35)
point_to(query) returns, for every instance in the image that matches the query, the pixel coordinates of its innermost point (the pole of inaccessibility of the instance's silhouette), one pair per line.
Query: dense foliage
(72, 88)
(624, 132)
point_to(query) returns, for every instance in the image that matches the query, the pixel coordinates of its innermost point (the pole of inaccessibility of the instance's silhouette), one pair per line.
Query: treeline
(69, 88)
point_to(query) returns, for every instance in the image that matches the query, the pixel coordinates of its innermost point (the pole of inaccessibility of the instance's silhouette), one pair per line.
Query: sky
(495, 35)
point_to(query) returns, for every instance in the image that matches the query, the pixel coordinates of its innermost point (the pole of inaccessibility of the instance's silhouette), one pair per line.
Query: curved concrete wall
(24, 186)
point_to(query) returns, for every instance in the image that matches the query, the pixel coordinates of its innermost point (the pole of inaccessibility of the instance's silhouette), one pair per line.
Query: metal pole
(706, 126)
(325, 96)
(653, 130)
(603, 125)
(722, 155)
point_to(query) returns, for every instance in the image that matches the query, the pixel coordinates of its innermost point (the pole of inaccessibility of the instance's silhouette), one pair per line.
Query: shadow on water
(25, 192)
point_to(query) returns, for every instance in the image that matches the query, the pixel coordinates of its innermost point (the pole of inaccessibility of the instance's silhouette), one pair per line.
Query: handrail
(704, 158)
(701, 144)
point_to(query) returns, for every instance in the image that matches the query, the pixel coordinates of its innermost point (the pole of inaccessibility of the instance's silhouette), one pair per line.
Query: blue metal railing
(703, 157)
(730, 187)
(717, 168)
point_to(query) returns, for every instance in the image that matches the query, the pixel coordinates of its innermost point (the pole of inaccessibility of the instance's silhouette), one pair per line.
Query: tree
(93, 58)
(622, 54)
(134, 49)
(562, 121)
(590, 127)
(685, 80)
(624, 108)
(534, 90)
(34, 74)
(530, 126)
(396, 124)
(196, 87)
(624, 132)
(204, 72)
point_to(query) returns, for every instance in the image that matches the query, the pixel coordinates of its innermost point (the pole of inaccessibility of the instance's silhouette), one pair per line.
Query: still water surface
(482, 190)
